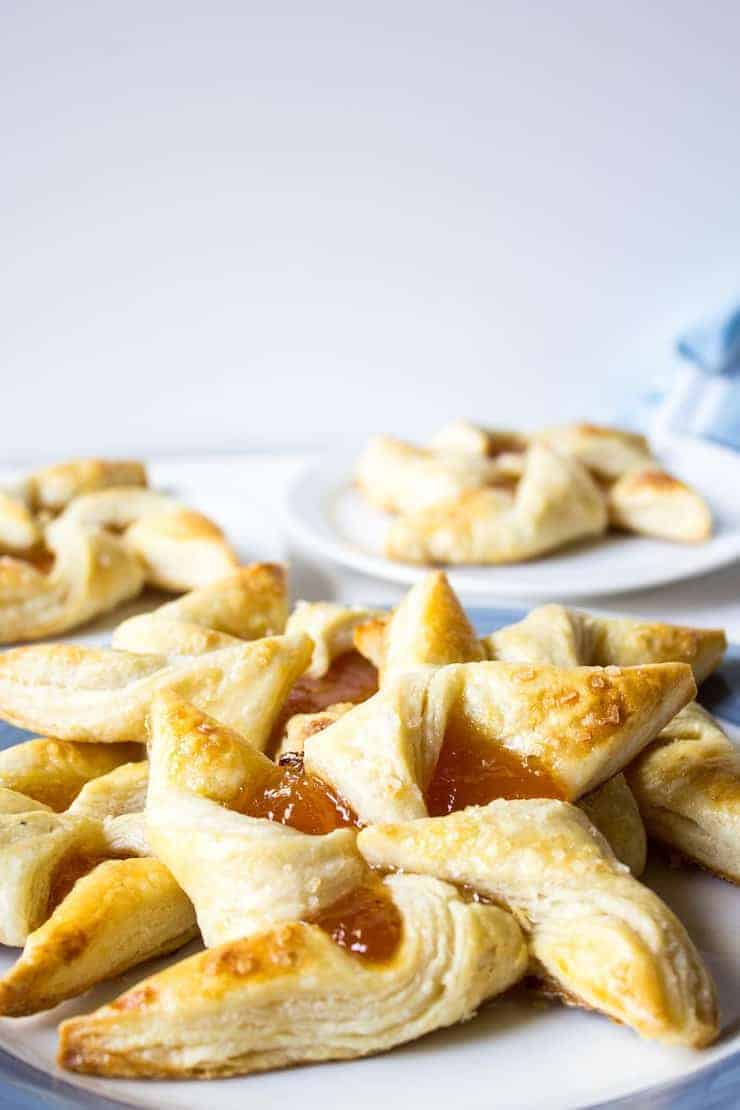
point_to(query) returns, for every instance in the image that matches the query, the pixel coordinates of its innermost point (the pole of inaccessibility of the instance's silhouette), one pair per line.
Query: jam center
(291, 797)
(351, 677)
(366, 922)
(473, 770)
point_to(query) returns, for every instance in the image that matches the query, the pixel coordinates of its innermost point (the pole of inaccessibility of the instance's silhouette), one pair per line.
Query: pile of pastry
(375, 822)
(480, 495)
(79, 538)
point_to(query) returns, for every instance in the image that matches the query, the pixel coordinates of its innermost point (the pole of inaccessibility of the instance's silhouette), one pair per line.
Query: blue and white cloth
(702, 398)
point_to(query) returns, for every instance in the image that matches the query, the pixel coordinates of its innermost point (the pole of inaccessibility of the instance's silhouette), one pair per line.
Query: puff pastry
(83, 914)
(55, 771)
(19, 532)
(399, 477)
(687, 785)
(608, 452)
(300, 726)
(53, 487)
(92, 573)
(100, 695)
(472, 439)
(246, 605)
(120, 914)
(292, 995)
(331, 627)
(556, 502)
(244, 874)
(568, 638)
(601, 938)
(179, 548)
(430, 626)
(654, 503)
(33, 847)
(554, 732)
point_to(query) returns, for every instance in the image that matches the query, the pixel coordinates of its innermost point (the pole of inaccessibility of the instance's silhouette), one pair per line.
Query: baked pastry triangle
(247, 605)
(330, 626)
(83, 914)
(599, 937)
(568, 638)
(54, 772)
(53, 487)
(95, 694)
(34, 847)
(430, 626)
(687, 785)
(280, 906)
(399, 477)
(654, 503)
(556, 502)
(122, 790)
(440, 739)
(294, 995)
(608, 452)
(211, 795)
(471, 439)
(92, 573)
(179, 548)
(119, 914)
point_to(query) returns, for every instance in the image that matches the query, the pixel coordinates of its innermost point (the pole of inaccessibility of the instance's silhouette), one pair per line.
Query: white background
(228, 225)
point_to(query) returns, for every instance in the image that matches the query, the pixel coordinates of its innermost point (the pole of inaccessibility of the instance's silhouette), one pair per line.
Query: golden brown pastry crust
(608, 452)
(568, 638)
(243, 874)
(330, 626)
(399, 477)
(246, 605)
(687, 785)
(92, 573)
(119, 915)
(293, 996)
(55, 771)
(654, 503)
(556, 503)
(93, 694)
(19, 532)
(472, 439)
(53, 487)
(605, 939)
(612, 809)
(582, 725)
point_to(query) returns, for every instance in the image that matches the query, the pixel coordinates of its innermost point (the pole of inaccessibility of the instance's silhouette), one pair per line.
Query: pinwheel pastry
(271, 859)
(687, 783)
(555, 503)
(79, 538)
(485, 495)
(80, 891)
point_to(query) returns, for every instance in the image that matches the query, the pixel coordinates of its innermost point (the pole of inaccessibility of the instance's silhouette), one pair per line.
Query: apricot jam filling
(473, 770)
(67, 873)
(291, 797)
(366, 922)
(351, 677)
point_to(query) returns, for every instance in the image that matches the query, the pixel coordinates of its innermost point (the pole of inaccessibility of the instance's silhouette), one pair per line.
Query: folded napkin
(703, 396)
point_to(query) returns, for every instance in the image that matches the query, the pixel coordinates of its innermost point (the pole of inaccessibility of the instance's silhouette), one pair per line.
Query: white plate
(328, 513)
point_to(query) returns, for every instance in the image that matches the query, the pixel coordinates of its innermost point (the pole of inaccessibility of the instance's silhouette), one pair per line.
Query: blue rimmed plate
(517, 1053)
